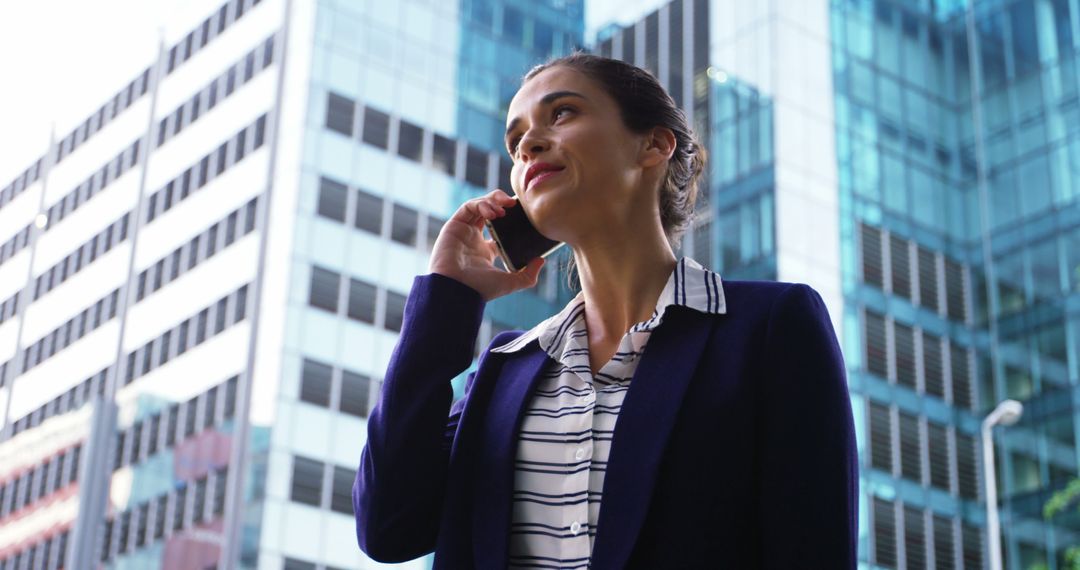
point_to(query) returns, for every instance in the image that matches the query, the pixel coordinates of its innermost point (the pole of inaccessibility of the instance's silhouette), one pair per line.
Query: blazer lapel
(494, 480)
(641, 431)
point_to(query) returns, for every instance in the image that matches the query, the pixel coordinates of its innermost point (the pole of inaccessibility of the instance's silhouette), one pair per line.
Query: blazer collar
(646, 419)
(689, 284)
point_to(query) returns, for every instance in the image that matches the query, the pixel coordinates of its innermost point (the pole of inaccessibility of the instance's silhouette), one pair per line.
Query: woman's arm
(399, 489)
(810, 470)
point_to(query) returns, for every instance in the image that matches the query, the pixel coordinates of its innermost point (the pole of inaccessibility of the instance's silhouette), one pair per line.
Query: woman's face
(576, 165)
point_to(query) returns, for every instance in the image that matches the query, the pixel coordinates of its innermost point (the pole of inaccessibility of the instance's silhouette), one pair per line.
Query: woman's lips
(542, 177)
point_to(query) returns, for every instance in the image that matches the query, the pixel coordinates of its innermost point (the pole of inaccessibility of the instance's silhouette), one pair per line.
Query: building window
(339, 114)
(307, 481)
(434, 226)
(324, 289)
(914, 537)
(938, 442)
(505, 167)
(961, 377)
(410, 140)
(901, 266)
(905, 355)
(354, 393)
(395, 311)
(880, 437)
(884, 517)
(966, 468)
(332, 198)
(315, 378)
(943, 542)
(933, 369)
(294, 564)
(876, 349)
(368, 212)
(442, 154)
(910, 448)
(872, 265)
(954, 291)
(361, 301)
(928, 281)
(476, 162)
(404, 225)
(376, 128)
(341, 496)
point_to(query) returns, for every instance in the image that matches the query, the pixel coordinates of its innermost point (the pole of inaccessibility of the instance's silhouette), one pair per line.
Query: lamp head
(1009, 412)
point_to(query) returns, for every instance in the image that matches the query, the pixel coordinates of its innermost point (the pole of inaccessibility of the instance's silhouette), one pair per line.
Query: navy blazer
(734, 448)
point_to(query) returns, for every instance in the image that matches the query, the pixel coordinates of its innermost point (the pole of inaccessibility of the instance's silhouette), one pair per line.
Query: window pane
(361, 301)
(905, 355)
(901, 268)
(306, 481)
(354, 393)
(339, 114)
(880, 437)
(376, 127)
(476, 166)
(505, 165)
(871, 256)
(910, 454)
(395, 310)
(442, 154)
(315, 383)
(938, 441)
(876, 350)
(332, 197)
(403, 229)
(410, 140)
(324, 289)
(933, 365)
(434, 226)
(914, 537)
(341, 497)
(368, 212)
(294, 564)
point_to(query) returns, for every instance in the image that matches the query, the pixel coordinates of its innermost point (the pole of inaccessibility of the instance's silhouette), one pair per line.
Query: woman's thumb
(531, 272)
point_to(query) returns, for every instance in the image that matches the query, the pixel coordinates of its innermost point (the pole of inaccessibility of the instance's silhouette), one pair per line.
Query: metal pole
(993, 526)
(1006, 413)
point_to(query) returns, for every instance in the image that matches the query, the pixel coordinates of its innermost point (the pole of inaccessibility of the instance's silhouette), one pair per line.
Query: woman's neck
(621, 279)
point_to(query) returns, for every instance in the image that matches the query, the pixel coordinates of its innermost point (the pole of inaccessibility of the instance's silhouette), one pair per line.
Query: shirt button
(580, 453)
(574, 528)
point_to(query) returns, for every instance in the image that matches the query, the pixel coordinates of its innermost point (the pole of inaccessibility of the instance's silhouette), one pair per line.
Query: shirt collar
(690, 285)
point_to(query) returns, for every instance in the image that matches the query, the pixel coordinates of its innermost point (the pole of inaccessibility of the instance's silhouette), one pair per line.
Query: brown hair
(643, 105)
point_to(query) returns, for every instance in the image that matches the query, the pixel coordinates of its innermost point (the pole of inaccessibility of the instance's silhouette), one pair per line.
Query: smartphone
(518, 239)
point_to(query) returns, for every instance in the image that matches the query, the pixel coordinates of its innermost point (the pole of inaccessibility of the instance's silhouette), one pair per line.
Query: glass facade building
(917, 163)
(201, 284)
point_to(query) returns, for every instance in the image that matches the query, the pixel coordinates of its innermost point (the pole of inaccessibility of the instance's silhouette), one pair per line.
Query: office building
(202, 282)
(918, 163)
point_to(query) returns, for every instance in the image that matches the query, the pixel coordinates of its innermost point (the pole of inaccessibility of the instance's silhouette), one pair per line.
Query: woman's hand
(461, 252)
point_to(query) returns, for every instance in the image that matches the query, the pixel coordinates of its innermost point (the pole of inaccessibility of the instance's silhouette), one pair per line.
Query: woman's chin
(547, 219)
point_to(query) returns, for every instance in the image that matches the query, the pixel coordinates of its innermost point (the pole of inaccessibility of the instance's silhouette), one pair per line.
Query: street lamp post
(1006, 413)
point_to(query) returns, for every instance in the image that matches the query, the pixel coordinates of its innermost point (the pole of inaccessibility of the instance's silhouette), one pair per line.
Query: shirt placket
(576, 516)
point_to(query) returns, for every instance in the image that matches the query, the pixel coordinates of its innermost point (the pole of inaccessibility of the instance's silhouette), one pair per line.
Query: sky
(63, 59)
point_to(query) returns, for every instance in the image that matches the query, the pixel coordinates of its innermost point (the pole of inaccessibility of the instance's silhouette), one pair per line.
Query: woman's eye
(560, 110)
(514, 145)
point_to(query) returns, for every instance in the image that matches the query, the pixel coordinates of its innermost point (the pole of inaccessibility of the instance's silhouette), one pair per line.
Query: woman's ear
(658, 148)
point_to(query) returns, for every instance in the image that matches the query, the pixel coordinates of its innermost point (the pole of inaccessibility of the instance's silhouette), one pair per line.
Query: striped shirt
(567, 428)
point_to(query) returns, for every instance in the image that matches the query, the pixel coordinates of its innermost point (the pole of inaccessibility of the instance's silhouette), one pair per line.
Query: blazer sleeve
(810, 473)
(401, 481)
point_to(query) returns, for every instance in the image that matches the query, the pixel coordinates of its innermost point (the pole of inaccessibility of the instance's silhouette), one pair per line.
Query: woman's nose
(533, 146)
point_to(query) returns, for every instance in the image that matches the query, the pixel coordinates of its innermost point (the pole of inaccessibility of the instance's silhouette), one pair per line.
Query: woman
(727, 443)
